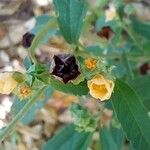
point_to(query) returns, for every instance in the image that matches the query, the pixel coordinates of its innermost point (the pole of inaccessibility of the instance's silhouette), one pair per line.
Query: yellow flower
(90, 63)
(7, 83)
(110, 13)
(100, 88)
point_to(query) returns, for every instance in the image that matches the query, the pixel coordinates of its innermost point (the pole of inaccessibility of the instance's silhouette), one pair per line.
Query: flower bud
(110, 13)
(27, 39)
(144, 68)
(65, 67)
(83, 119)
(7, 83)
(19, 77)
(100, 88)
(106, 32)
(90, 63)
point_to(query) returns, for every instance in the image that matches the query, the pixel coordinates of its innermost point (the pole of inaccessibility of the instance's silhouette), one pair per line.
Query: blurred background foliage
(128, 51)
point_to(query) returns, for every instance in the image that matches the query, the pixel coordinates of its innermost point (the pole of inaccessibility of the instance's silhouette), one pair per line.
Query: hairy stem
(4, 133)
(41, 34)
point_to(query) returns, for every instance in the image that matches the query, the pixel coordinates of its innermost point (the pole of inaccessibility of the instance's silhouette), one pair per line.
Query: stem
(39, 37)
(4, 133)
(128, 30)
(132, 37)
(127, 65)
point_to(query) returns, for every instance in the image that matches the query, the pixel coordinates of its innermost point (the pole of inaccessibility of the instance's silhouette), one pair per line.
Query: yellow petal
(100, 88)
(7, 83)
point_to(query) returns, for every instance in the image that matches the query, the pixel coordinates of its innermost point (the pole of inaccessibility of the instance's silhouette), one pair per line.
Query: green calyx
(19, 77)
(83, 119)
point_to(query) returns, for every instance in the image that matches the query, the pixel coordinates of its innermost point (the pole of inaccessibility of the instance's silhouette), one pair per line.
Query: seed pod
(18, 76)
(65, 67)
(27, 39)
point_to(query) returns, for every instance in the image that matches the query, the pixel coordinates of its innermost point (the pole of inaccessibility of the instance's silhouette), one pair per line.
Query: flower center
(101, 89)
(25, 91)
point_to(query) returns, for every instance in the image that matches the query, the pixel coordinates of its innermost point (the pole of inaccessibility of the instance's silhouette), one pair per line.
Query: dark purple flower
(27, 39)
(65, 67)
(106, 32)
(144, 68)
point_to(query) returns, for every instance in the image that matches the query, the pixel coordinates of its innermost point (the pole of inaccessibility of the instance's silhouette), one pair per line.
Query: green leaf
(119, 70)
(27, 63)
(19, 104)
(70, 18)
(69, 139)
(118, 136)
(132, 115)
(95, 50)
(127, 66)
(38, 72)
(106, 140)
(112, 137)
(80, 89)
(141, 28)
(142, 86)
